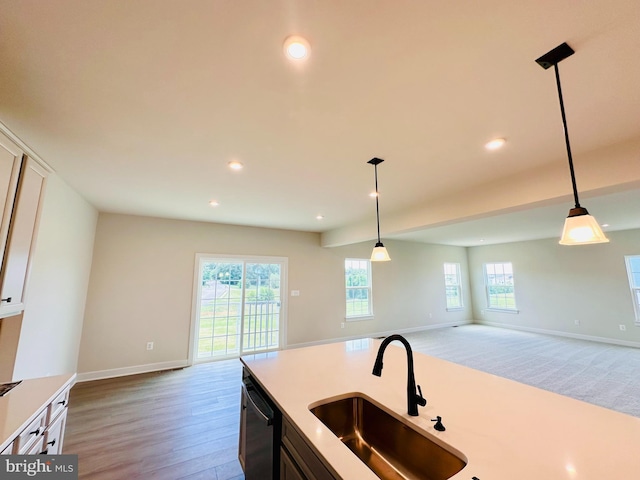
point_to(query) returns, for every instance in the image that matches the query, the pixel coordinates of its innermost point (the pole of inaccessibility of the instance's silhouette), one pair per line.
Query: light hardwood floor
(178, 424)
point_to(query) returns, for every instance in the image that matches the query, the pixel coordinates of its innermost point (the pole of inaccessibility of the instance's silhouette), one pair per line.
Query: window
(633, 270)
(357, 274)
(498, 279)
(453, 286)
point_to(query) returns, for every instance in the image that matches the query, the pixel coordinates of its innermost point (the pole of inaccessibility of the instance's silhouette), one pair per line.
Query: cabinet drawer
(57, 406)
(53, 435)
(302, 455)
(32, 433)
(288, 468)
(37, 447)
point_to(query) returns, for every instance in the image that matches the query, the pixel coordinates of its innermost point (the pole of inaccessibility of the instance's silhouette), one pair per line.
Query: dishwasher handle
(260, 406)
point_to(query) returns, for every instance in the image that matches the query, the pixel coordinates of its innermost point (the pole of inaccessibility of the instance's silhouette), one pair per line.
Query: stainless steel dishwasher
(260, 427)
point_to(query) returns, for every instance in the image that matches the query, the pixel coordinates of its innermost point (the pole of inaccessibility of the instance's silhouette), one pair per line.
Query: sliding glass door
(239, 306)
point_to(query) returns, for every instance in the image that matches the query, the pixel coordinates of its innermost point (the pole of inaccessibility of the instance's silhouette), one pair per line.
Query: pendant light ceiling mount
(379, 253)
(580, 228)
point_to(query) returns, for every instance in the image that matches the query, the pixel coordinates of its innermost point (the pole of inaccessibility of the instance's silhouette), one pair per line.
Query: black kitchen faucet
(413, 398)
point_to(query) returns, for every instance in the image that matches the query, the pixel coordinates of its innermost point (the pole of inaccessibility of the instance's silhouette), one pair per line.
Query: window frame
(635, 290)
(504, 309)
(458, 286)
(369, 314)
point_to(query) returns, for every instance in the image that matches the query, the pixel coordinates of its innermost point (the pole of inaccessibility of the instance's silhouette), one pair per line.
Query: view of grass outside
(358, 287)
(357, 307)
(223, 322)
(502, 300)
(454, 299)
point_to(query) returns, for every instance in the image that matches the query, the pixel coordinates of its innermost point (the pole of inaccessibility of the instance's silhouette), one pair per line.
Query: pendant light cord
(377, 208)
(566, 137)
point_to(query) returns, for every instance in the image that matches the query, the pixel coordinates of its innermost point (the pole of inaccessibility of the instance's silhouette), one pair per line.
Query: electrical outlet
(431, 315)
(481, 312)
(149, 345)
(623, 327)
(577, 322)
(342, 325)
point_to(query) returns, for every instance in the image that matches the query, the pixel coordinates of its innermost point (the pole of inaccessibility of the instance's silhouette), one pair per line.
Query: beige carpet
(598, 373)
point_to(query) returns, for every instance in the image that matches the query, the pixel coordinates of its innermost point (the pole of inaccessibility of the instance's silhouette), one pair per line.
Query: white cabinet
(45, 433)
(32, 435)
(54, 434)
(8, 450)
(21, 238)
(22, 182)
(10, 163)
(33, 415)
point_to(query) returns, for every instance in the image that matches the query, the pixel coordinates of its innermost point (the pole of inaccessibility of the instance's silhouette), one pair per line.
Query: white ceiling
(139, 106)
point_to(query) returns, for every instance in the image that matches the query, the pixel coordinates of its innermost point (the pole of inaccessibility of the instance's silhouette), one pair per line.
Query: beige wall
(141, 287)
(141, 283)
(50, 335)
(557, 285)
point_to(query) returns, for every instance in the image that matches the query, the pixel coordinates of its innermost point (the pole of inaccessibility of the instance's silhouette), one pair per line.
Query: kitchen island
(503, 430)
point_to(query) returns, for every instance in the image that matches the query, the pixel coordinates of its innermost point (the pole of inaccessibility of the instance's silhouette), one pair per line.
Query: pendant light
(379, 253)
(580, 228)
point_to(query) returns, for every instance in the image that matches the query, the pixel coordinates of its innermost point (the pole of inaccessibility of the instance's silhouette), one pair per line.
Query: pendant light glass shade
(380, 253)
(580, 228)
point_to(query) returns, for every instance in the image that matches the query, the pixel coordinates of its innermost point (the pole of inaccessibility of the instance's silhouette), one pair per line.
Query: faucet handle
(419, 398)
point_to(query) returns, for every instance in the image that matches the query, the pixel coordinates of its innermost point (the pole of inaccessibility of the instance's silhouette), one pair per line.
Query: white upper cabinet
(10, 162)
(22, 193)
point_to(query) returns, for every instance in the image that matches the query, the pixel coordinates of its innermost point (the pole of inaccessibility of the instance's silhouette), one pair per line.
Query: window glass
(633, 271)
(500, 286)
(453, 286)
(358, 287)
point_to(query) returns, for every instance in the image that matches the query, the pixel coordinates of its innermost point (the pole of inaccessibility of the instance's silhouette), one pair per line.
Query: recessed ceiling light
(235, 165)
(319, 217)
(214, 203)
(296, 48)
(604, 225)
(495, 144)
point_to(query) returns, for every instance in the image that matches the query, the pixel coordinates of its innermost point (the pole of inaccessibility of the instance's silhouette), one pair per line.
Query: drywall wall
(557, 286)
(141, 288)
(408, 291)
(50, 335)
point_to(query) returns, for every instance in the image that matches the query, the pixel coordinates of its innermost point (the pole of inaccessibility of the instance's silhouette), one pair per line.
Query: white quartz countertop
(506, 430)
(24, 402)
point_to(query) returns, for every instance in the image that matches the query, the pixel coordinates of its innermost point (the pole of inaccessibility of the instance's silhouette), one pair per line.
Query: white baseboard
(557, 333)
(380, 334)
(121, 372)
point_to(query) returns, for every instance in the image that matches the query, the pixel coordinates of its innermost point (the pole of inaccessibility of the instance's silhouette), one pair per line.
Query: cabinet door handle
(52, 442)
(8, 299)
(44, 452)
(63, 403)
(35, 432)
